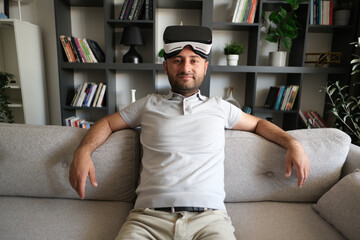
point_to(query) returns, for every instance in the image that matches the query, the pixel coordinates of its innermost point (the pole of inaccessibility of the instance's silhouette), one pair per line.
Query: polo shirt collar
(173, 95)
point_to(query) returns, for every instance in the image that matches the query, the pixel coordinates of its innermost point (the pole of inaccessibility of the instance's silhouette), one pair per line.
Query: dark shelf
(85, 3)
(125, 23)
(234, 26)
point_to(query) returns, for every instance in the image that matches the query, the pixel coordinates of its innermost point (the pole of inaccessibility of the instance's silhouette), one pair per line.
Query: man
(181, 193)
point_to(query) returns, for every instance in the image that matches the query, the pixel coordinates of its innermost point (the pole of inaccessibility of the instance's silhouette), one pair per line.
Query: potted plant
(161, 55)
(232, 51)
(346, 108)
(5, 112)
(284, 26)
(342, 11)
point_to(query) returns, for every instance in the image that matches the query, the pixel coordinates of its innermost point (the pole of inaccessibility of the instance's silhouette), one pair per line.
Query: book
(87, 95)
(74, 49)
(311, 119)
(132, 10)
(279, 97)
(252, 11)
(75, 121)
(123, 8)
(101, 96)
(235, 9)
(91, 54)
(128, 9)
(96, 49)
(67, 49)
(304, 120)
(271, 97)
(76, 40)
(96, 98)
(139, 10)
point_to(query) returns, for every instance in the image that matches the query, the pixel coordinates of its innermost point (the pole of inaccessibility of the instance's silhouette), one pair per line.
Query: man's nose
(186, 66)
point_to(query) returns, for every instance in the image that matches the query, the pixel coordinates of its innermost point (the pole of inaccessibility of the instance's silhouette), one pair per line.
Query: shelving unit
(149, 74)
(21, 55)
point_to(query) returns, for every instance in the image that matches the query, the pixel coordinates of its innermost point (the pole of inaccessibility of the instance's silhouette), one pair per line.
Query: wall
(41, 12)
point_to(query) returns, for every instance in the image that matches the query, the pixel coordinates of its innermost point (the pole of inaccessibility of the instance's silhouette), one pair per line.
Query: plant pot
(232, 59)
(277, 59)
(342, 17)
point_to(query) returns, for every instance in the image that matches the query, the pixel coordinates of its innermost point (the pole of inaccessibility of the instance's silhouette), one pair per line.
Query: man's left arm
(295, 156)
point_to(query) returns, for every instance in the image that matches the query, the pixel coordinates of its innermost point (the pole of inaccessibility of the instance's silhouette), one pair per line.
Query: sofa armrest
(352, 160)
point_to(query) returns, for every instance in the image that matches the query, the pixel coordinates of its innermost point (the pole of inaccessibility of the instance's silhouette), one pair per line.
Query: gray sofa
(37, 201)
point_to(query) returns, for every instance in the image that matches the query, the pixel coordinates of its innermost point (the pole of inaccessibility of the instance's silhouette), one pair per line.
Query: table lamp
(132, 36)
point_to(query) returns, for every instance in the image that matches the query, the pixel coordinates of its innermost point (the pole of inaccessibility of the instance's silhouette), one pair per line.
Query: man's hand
(297, 157)
(81, 167)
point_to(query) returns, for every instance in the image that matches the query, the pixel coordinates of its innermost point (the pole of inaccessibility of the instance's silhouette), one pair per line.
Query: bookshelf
(21, 55)
(149, 76)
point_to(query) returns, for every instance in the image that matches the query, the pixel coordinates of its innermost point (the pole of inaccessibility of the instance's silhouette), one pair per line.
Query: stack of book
(136, 9)
(281, 97)
(89, 94)
(321, 12)
(81, 50)
(244, 11)
(76, 121)
(311, 119)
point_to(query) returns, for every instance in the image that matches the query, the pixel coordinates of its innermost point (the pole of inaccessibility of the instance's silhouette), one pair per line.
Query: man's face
(186, 71)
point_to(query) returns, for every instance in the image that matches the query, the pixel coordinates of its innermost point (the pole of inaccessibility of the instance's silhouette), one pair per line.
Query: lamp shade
(132, 36)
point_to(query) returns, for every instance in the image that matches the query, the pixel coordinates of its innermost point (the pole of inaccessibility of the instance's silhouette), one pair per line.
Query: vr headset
(177, 37)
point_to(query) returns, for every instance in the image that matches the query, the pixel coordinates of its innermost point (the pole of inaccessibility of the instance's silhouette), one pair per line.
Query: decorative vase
(231, 99)
(232, 59)
(133, 97)
(342, 17)
(277, 59)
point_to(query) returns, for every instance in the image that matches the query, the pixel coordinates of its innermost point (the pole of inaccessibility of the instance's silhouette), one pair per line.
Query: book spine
(93, 59)
(67, 48)
(252, 11)
(122, 12)
(74, 49)
(101, 96)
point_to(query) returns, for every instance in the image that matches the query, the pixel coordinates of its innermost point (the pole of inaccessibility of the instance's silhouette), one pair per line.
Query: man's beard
(178, 86)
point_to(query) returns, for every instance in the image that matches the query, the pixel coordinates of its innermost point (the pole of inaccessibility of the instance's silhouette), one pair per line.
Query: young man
(181, 193)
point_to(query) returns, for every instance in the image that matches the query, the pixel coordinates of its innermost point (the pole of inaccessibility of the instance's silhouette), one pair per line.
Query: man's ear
(206, 66)
(165, 66)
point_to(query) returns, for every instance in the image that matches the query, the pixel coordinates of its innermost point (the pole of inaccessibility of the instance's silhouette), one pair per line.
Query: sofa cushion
(340, 206)
(59, 219)
(255, 167)
(35, 161)
(279, 220)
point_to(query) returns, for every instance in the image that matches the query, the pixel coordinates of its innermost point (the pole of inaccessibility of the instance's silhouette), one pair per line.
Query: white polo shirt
(183, 143)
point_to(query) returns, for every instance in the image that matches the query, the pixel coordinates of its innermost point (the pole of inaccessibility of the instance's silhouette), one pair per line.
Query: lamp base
(132, 56)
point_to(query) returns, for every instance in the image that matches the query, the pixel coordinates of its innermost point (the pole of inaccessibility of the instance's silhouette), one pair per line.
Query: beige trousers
(149, 224)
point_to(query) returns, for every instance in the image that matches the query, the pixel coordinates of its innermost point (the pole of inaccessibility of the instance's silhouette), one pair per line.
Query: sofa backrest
(35, 161)
(255, 168)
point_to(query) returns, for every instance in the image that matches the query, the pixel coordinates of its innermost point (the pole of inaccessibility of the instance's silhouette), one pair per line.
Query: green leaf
(272, 37)
(287, 42)
(331, 92)
(275, 17)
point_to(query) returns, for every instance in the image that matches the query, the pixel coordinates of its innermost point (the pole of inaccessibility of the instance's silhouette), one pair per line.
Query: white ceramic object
(232, 59)
(277, 59)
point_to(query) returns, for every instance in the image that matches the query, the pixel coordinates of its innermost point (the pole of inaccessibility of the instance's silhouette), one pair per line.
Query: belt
(183, 209)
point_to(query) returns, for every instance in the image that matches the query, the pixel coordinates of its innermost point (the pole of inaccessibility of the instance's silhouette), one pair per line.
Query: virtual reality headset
(177, 37)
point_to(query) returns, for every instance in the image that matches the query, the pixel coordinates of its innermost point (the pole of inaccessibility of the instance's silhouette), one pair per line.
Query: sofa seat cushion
(279, 220)
(39, 218)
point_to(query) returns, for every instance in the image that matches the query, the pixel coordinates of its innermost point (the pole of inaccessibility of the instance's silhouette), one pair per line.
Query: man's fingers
(288, 169)
(81, 188)
(92, 177)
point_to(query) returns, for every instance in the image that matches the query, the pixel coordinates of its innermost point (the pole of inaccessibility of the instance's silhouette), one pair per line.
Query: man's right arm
(82, 165)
